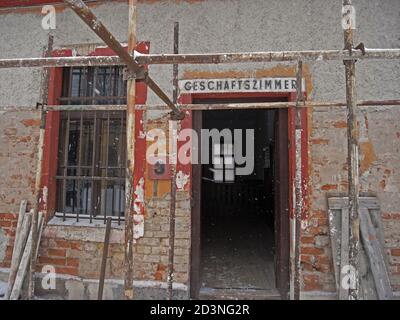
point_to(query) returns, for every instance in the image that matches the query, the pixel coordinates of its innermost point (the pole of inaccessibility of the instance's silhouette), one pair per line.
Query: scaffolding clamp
(129, 74)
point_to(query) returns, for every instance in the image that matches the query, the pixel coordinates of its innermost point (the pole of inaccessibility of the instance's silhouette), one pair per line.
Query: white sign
(239, 85)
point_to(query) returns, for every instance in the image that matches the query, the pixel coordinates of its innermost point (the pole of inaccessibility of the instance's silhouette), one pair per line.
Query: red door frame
(50, 150)
(291, 97)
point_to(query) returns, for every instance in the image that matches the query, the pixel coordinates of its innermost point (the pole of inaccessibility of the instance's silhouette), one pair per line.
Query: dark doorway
(240, 224)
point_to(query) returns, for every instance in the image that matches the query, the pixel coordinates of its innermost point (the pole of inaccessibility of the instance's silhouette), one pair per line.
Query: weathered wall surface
(217, 26)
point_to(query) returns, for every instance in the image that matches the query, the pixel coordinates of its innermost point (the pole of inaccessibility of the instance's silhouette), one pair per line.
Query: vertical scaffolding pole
(130, 159)
(352, 161)
(44, 93)
(298, 180)
(171, 249)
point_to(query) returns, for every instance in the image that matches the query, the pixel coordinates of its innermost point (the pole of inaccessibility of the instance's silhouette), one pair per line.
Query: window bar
(93, 204)
(106, 169)
(111, 81)
(66, 153)
(87, 188)
(94, 80)
(69, 91)
(121, 135)
(79, 173)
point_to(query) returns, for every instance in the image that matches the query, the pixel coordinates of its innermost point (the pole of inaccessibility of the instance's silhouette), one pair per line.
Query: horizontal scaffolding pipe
(211, 58)
(262, 105)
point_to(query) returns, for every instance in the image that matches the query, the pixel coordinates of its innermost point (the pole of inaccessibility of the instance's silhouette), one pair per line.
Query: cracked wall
(218, 26)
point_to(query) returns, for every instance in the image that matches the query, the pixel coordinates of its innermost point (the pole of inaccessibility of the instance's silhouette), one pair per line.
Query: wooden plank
(338, 203)
(344, 251)
(130, 160)
(175, 127)
(38, 190)
(375, 256)
(23, 226)
(24, 264)
(335, 236)
(104, 259)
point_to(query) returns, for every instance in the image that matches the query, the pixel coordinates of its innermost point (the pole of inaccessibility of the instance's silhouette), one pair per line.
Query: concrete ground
(237, 253)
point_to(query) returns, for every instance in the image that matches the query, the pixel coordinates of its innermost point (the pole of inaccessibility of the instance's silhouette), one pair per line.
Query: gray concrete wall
(233, 26)
(218, 26)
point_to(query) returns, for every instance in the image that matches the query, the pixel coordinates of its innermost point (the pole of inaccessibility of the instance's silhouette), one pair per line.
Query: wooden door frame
(195, 254)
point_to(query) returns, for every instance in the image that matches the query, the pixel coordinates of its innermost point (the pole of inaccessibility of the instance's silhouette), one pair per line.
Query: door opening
(242, 221)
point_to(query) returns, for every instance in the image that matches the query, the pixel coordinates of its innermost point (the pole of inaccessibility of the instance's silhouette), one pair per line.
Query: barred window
(224, 164)
(92, 146)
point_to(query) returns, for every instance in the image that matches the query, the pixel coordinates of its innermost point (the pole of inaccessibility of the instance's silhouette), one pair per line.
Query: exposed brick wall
(151, 251)
(379, 176)
(8, 224)
(18, 139)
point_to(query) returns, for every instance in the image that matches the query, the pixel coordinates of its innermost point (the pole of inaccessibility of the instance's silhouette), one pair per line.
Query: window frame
(48, 197)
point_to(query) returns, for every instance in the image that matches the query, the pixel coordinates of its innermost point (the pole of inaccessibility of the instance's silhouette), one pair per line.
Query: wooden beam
(24, 264)
(104, 259)
(172, 207)
(38, 191)
(375, 256)
(298, 182)
(130, 159)
(21, 234)
(352, 158)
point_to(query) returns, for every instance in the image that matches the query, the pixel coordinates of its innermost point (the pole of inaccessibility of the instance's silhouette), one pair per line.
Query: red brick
(340, 124)
(319, 141)
(307, 240)
(67, 270)
(72, 262)
(315, 231)
(75, 245)
(6, 223)
(319, 214)
(329, 187)
(8, 216)
(394, 216)
(161, 267)
(158, 276)
(52, 261)
(311, 283)
(395, 252)
(57, 252)
(312, 250)
(62, 243)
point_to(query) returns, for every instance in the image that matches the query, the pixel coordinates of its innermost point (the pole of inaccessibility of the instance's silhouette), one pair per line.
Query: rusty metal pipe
(97, 26)
(262, 105)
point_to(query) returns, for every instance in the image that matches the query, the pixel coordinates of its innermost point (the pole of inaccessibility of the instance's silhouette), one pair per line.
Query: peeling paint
(181, 180)
(139, 196)
(138, 226)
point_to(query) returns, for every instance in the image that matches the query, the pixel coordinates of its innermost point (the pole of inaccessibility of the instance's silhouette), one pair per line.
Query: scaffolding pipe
(376, 104)
(204, 58)
(97, 26)
(298, 181)
(130, 160)
(172, 207)
(352, 162)
(38, 179)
